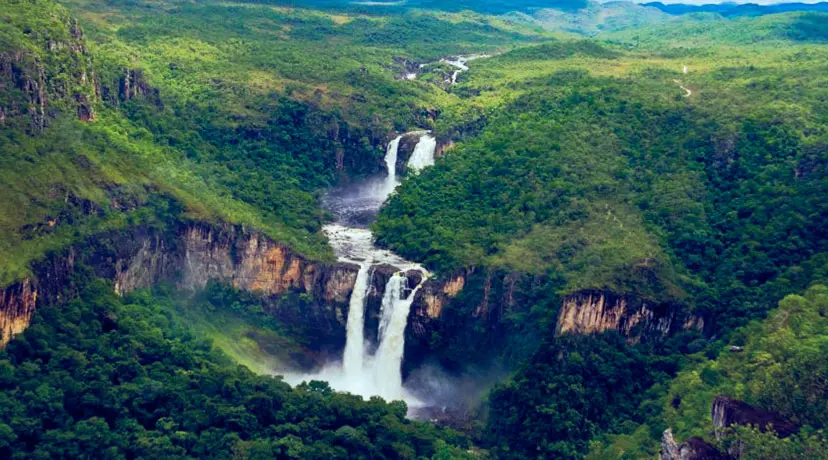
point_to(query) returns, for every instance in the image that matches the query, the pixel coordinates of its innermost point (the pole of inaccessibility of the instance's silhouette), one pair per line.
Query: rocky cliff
(594, 312)
(584, 312)
(190, 255)
(694, 448)
(727, 412)
(18, 305)
(45, 71)
(430, 300)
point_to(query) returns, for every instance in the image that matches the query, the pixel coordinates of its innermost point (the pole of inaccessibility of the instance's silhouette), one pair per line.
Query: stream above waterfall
(355, 206)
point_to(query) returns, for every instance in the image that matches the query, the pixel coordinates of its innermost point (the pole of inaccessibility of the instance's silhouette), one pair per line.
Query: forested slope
(703, 188)
(673, 171)
(616, 179)
(238, 114)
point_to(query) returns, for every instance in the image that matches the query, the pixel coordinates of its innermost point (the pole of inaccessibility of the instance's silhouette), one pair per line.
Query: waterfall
(394, 318)
(423, 153)
(390, 182)
(358, 373)
(352, 360)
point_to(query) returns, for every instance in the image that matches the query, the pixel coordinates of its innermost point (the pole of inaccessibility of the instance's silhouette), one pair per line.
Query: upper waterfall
(423, 153)
(391, 167)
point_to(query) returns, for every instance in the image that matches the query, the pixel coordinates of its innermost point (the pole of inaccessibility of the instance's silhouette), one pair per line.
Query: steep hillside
(573, 183)
(774, 367)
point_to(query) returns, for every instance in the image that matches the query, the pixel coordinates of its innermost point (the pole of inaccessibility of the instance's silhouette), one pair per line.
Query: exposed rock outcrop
(694, 448)
(18, 305)
(190, 255)
(404, 150)
(33, 84)
(405, 67)
(727, 412)
(133, 84)
(431, 299)
(594, 312)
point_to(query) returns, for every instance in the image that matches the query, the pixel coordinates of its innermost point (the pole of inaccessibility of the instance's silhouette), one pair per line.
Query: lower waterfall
(354, 356)
(388, 360)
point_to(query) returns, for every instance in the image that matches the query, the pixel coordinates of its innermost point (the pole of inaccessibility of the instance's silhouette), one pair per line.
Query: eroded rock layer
(189, 256)
(596, 312)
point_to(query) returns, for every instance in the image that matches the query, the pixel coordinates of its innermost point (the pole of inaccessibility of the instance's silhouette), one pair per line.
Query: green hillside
(662, 177)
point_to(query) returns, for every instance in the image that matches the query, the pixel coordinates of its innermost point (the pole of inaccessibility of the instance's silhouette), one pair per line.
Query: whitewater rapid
(359, 372)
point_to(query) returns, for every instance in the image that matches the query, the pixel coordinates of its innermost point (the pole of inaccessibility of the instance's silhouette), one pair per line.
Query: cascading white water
(423, 154)
(394, 318)
(359, 373)
(390, 182)
(354, 356)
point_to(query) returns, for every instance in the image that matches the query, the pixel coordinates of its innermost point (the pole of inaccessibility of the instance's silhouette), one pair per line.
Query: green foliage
(780, 365)
(752, 444)
(572, 389)
(782, 362)
(620, 183)
(124, 379)
(712, 30)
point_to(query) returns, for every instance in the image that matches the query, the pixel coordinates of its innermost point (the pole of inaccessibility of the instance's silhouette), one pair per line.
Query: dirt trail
(689, 93)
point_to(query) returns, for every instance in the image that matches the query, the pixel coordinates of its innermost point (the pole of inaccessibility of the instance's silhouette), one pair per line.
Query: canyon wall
(190, 255)
(585, 312)
(596, 311)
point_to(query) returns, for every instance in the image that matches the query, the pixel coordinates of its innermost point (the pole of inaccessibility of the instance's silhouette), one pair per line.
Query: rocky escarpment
(190, 255)
(431, 299)
(594, 312)
(584, 312)
(727, 412)
(50, 71)
(18, 301)
(694, 448)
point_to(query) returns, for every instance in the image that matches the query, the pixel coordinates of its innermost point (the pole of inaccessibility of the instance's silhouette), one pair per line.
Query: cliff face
(430, 300)
(581, 313)
(18, 301)
(727, 412)
(693, 449)
(595, 312)
(250, 261)
(48, 71)
(190, 256)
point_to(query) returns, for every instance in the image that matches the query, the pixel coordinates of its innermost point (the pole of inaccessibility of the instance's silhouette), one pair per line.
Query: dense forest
(164, 261)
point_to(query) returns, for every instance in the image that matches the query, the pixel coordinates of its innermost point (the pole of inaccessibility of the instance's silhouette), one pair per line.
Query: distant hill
(713, 29)
(733, 9)
(480, 6)
(595, 18)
